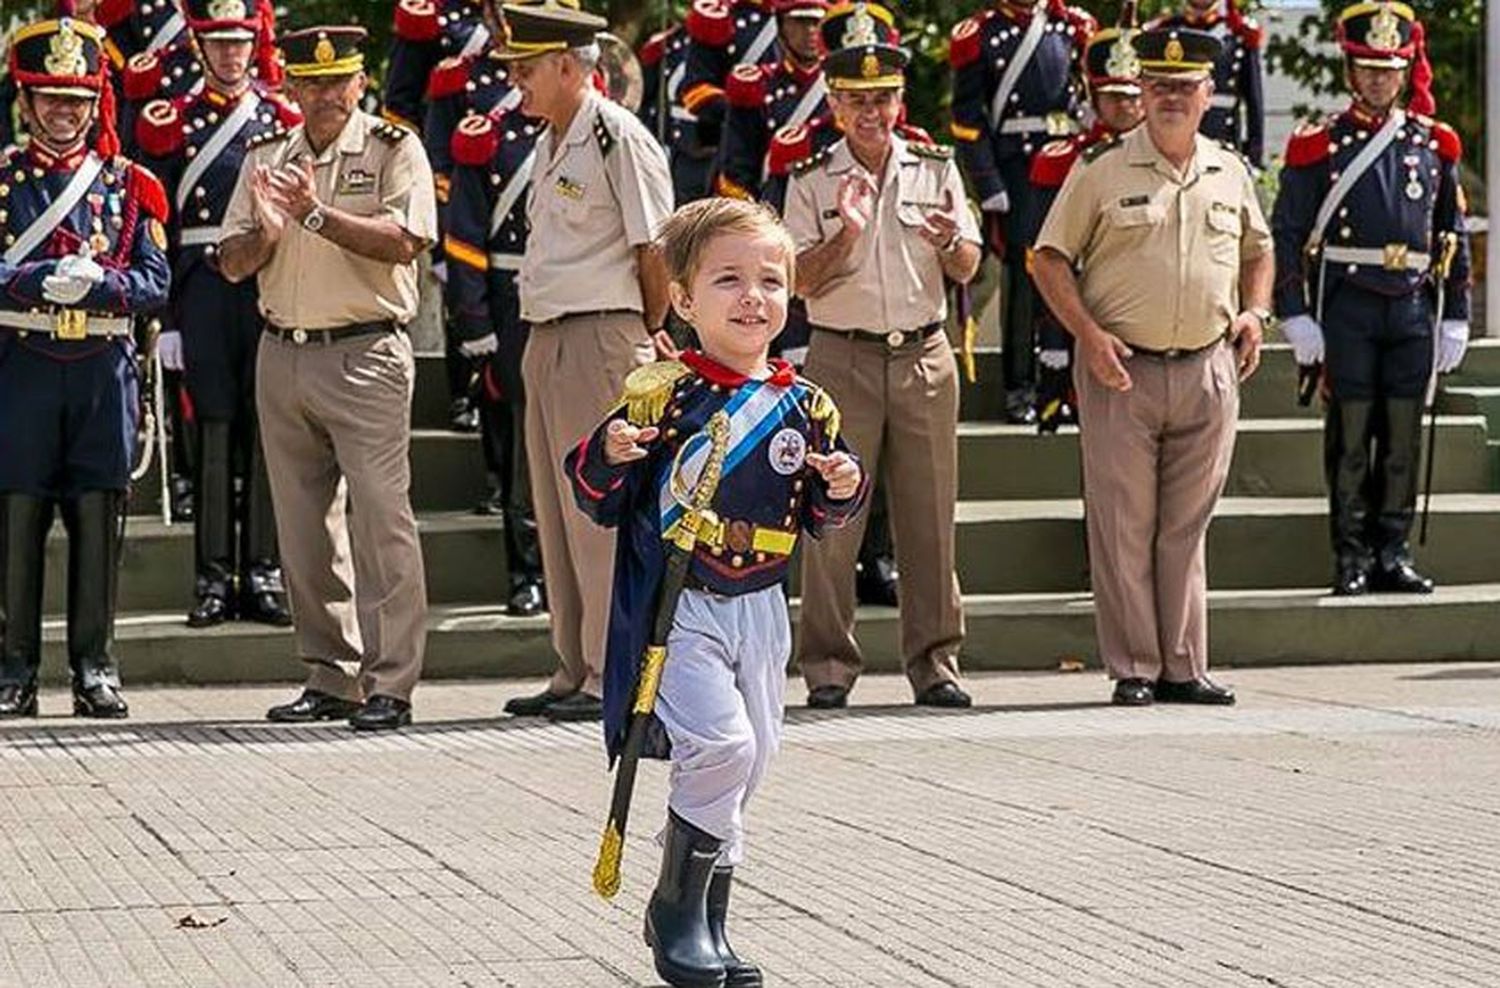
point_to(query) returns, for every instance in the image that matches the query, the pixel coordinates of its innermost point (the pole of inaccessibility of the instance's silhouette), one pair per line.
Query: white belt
(506, 262)
(201, 236)
(1224, 101)
(683, 114)
(1057, 124)
(67, 324)
(1391, 257)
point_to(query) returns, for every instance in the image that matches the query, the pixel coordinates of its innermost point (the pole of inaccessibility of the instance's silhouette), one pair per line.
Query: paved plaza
(1340, 827)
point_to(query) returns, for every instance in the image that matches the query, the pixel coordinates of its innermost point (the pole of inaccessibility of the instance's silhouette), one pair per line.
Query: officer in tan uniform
(591, 286)
(879, 224)
(1157, 258)
(330, 216)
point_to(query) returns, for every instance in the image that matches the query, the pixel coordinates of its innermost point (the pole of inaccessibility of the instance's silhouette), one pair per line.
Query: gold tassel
(648, 391)
(607, 867)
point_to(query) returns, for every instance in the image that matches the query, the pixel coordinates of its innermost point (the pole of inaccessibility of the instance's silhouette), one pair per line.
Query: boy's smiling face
(738, 298)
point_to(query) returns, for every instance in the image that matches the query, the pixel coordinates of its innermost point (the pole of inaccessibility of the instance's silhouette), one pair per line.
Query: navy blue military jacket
(120, 218)
(426, 32)
(763, 100)
(485, 233)
(457, 88)
(664, 64)
(1237, 113)
(1049, 87)
(1407, 199)
(721, 36)
(766, 497)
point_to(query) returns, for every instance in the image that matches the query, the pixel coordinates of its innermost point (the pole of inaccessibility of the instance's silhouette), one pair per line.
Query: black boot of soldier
(23, 549)
(1398, 451)
(1055, 404)
(94, 522)
(262, 596)
(1346, 459)
(262, 593)
(677, 916)
(213, 525)
(875, 570)
(737, 973)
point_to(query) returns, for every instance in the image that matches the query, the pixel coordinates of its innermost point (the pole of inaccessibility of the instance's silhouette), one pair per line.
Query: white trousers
(722, 698)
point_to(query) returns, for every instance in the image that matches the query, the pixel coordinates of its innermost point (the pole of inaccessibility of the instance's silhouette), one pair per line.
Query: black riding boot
(677, 927)
(1398, 451)
(213, 525)
(23, 553)
(95, 523)
(737, 973)
(262, 592)
(1346, 458)
(523, 546)
(875, 580)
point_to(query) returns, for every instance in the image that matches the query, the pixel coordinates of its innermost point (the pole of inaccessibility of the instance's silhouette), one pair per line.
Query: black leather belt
(894, 340)
(323, 337)
(1176, 353)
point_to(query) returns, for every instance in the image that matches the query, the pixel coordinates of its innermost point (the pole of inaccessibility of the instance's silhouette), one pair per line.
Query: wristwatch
(1266, 317)
(313, 221)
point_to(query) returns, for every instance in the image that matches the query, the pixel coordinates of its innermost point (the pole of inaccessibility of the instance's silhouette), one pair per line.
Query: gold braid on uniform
(821, 409)
(649, 389)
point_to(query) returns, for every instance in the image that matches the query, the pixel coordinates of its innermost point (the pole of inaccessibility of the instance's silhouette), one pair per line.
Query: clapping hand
(839, 471)
(856, 203)
(293, 186)
(940, 227)
(269, 212)
(624, 443)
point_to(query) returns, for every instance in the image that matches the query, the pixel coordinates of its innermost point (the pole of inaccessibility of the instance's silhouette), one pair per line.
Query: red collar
(1019, 13)
(803, 77)
(783, 374)
(1362, 117)
(46, 158)
(214, 98)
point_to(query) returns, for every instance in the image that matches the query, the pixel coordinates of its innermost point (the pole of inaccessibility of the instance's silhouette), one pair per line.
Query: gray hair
(587, 57)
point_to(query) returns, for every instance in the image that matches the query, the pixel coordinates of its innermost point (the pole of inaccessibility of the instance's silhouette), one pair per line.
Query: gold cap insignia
(1385, 29)
(869, 66)
(1173, 51)
(1123, 62)
(227, 10)
(860, 30)
(324, 53)
(65, 52)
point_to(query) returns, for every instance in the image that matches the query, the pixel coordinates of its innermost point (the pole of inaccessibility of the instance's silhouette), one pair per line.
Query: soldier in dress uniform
(1113, 75)
(663, 61)
(763, 98)
(724, 34)
(10, 122)
(1369, 227)
(83, 252)
(196, 144)
(1016, 84)
(1237, 115)
(490, 158)
(881, 224)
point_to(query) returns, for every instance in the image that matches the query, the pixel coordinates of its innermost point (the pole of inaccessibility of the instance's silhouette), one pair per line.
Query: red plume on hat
(107, 141)
(1233, 15)
(1421, 100)
(267, 64)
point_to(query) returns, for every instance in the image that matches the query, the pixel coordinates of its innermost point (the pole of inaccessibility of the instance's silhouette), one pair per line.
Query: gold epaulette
(937, 152)
(648, 390)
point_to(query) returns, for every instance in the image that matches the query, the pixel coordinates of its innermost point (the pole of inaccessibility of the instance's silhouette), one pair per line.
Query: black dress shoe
(265, 607)
(1020, 408)
(1401, 578)
(212, 609)
(18, 700)
(579, 706)
(381, 713)
(1351, 580)
(1201, 690)
(830, 697)
(492, 504)
(526, 600)
(100, 700)
(945, 694)
(533, 706)
(463, 416)
(311, 706)
(1133, 693)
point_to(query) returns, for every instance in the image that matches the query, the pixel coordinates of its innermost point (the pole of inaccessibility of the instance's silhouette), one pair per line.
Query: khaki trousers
(1155, 459)
(900, 409)
(336, 420)
(575, 369)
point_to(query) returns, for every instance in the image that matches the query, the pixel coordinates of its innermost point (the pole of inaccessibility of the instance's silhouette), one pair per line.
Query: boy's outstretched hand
(624, 443)
(839, 471)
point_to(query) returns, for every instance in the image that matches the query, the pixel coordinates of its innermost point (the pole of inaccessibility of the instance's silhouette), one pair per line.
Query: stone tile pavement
(1338, 828)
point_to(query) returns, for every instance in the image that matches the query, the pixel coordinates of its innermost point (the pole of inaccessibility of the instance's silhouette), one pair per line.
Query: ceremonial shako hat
(224, 20)
(1176, 52)
(1110, 59)
(64, 57)
(813, 10)
(324, 51)
(1380, 35)
(863, 48)
(544, 26)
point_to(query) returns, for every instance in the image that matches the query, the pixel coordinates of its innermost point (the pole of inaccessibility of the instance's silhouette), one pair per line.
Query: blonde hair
(686, 234)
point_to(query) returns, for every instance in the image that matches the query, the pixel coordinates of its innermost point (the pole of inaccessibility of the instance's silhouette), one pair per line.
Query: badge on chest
(787, 452)
(569, 189)
(356, 181)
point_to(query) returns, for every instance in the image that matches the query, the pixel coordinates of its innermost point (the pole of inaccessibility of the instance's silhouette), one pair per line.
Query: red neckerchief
(783, 374)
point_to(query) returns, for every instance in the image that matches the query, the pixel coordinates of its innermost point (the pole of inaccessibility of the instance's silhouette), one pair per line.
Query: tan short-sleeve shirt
(893, 278)
(596, 195)
(1158, 252)
(371, 169)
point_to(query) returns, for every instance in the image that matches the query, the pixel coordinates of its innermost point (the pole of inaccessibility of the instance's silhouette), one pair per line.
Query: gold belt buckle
(895, 338)
(1395, 256)
(72, 324)
(1059, 124)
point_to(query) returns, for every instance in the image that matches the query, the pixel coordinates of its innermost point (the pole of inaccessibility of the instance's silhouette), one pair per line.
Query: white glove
(482, 347)
(997, 203)
(440, 272)
(169, 349)
(64, 289)
(1053, 359)
(1453, 343)
(1306, 338)
(80, 267)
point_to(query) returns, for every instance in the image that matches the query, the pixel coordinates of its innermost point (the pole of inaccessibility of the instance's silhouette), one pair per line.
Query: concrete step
(1004, 546)
(1005, 632)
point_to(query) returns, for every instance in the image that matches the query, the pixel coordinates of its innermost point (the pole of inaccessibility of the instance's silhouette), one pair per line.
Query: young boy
(786, 470)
